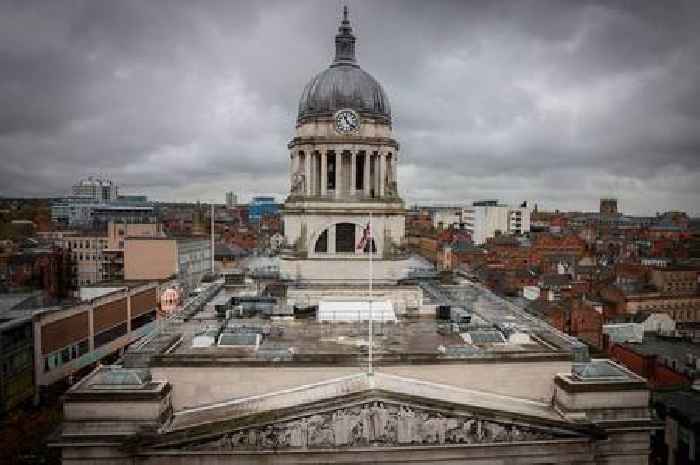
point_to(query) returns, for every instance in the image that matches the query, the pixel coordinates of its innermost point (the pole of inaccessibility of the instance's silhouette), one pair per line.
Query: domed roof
(344, 84)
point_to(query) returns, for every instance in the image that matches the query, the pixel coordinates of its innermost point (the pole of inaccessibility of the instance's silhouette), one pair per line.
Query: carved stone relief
(298, 183)
(375, 423)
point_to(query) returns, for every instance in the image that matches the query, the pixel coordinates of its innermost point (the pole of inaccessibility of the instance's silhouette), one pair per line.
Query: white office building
(97, 189)
(487, 217)
(444, 217)
(483, 219)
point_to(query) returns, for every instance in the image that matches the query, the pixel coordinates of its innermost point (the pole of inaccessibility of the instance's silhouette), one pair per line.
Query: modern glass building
(262, 206)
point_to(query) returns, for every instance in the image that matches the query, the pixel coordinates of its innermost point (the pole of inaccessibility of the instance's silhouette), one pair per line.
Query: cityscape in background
(342, 323)
(628, 287)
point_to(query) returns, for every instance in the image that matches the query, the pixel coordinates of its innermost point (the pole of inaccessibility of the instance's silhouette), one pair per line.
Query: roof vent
(117, 377)
(597, 370)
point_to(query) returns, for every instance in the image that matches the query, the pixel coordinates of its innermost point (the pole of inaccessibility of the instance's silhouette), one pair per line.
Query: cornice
(344, 140)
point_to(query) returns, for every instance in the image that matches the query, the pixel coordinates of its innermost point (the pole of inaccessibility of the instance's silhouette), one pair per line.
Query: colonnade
(343, 173)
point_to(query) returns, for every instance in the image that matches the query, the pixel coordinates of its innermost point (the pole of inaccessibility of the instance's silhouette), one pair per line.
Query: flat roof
(412, 337)
(150, 238)
(11, 300)
(675, 348)
(131, 283)
(17, 307)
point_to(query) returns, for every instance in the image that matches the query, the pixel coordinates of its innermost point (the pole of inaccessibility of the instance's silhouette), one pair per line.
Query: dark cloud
(556, 102)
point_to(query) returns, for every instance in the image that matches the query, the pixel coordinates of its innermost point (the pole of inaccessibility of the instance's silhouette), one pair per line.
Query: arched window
(322, 243)
(345, 238)
(367, 245)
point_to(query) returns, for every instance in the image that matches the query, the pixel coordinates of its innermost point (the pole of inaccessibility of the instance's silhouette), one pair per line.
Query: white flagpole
(371, 244)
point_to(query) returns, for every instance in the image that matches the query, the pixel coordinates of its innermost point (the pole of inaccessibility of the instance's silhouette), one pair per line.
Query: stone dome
(344, 84)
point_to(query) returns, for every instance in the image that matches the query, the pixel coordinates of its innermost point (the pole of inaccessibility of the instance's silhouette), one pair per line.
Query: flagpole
(371, 244)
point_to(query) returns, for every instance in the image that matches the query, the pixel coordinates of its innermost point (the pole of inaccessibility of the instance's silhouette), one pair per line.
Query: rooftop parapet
(579, 394)
(114, 401)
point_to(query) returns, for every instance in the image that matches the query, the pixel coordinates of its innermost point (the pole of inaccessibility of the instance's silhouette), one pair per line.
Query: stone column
(308, 156)
(375, 180)
(316, 173)
(324, 173)
(382, 172)
(291, 169)
(353, 173)
(338, 173)
(309, 171)
(366, 180)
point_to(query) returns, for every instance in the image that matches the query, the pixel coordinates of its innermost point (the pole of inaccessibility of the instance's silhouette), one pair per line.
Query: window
(83, 347)
(66, 354)
(52, 361)
(143, 320)
(345, 237)
(322, 243)
(109, 335)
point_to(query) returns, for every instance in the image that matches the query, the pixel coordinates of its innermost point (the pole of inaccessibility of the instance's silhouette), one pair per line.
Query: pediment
(350, 413)
(381, 422)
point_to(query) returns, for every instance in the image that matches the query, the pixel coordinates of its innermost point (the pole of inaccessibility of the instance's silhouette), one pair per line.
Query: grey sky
(555, 102)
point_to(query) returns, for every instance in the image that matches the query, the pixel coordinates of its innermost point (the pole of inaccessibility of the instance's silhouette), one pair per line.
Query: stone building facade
(596, 414)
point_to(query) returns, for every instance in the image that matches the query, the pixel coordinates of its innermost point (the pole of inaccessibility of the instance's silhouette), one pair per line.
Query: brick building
(548, 250)
(664, 362)
(418, 222)
(38, 268)
(631, 300)
(586, 320)
(577, 317)
(516, 279)
(675, 280)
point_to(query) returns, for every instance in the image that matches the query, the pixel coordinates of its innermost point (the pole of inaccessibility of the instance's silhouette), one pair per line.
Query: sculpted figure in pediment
(375, 423)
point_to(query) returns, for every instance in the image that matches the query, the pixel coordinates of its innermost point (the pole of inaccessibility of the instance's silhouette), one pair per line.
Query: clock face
(347, 121)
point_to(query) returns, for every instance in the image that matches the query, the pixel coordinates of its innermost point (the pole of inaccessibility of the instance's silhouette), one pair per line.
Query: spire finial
(345, 41)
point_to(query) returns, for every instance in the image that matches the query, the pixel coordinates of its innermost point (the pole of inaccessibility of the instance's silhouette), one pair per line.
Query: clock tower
(343, 161)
